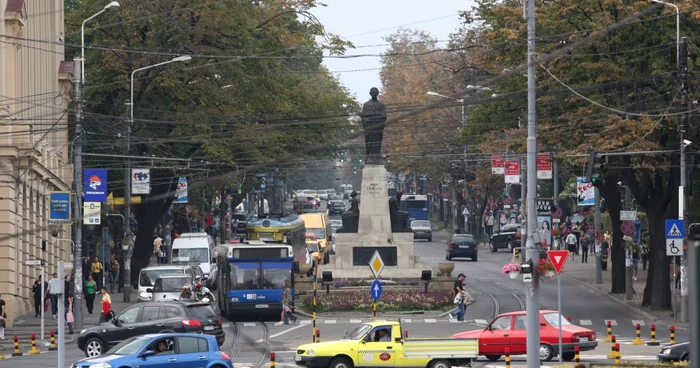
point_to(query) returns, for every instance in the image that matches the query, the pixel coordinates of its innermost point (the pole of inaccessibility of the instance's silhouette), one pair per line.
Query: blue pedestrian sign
(675, 229)
(376, 290)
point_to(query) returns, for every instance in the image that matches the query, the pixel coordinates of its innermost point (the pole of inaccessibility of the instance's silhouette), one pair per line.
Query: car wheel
(448, 256)
(440, 364)
(567, 357)
(546, 353)
(493, 358)
(340, 363)
(94, 347)
(492, 248)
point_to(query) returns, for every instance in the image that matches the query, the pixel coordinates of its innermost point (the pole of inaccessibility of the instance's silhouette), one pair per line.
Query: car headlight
(100, 365)
(310, 352)
(144, 295)
(665, 351)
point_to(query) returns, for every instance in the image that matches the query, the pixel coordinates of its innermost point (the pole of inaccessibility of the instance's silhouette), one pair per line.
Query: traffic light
(594, 167)
(354, 169)
(360, 160)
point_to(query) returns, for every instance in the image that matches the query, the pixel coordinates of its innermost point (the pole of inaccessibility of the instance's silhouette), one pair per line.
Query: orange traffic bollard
(612, 354)
(577, 355)
(318, 335)
(272, 359)
(638, 339)
(609, 337)
(34, 349)
(16, 347)
(653, 341)
(673, 335)
(507, 357)
(52, 346)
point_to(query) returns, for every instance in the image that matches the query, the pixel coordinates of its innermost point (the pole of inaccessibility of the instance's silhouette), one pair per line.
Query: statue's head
(399, 194)
(374, 92)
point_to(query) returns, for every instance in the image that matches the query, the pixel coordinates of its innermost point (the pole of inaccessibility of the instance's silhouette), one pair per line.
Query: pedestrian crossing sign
(674, 229)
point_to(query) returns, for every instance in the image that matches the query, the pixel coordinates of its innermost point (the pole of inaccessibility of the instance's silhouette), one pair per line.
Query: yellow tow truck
(382, 344)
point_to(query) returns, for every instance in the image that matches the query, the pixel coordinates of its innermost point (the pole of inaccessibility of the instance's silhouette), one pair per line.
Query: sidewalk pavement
(584, 273)
(27, 324)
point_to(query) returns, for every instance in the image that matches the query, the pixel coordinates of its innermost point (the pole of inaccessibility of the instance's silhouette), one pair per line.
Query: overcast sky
(366, 22)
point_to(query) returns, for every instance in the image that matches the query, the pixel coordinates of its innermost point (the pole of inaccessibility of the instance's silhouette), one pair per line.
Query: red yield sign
(558, 258)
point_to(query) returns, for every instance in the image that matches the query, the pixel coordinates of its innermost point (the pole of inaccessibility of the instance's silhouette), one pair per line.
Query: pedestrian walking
(288, 304)
(489, 224)
(97, 269)
(585, 244)
(644, 250)
(458, 299)
(90, 291)
(157, 242)
(36, 289)
(635, 261)
(68, 302)
(87, 267)
(113, 274)
(3, 315)
(53, 297)
(577, 232)
(604, 252)
(571, 244)
(107, 312)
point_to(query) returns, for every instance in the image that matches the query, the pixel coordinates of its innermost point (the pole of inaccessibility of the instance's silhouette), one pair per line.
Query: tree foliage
(254, 92)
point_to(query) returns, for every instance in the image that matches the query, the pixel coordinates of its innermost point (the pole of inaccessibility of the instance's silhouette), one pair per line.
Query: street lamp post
(79, 75)
(127, 183)
(678, 28)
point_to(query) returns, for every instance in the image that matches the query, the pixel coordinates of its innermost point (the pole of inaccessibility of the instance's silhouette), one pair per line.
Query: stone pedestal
(353, 250)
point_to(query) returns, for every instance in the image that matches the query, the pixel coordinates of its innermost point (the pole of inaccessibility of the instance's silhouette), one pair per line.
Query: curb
(634, 309)
(302, 313)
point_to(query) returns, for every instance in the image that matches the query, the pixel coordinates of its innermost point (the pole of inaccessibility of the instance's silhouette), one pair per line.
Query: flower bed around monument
(392, 300)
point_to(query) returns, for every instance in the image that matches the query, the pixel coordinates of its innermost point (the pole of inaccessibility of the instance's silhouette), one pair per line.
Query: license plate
(584, 339)
(208, 328)
(297, 358)
(465, 246)
(262, 306)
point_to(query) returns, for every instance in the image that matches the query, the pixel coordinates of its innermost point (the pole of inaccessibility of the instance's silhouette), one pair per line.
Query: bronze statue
(351, 217)
(373, 120)
(399, 219)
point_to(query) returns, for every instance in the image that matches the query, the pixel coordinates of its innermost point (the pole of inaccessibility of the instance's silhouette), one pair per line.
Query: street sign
(33, 262)
(674, 229)
(376, 290)
(627, 228)
(673, 247)
(544, 206)
(628, 215)
(544, 166)
(59, 208)
(512, 172)
(376, 264)
(558, 258)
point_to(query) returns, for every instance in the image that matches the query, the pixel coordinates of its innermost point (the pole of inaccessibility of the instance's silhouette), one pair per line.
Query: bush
(392, 300)
(349, 283)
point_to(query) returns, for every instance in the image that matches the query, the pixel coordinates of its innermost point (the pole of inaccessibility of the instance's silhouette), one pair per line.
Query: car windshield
(358, 333)
(199, 255)
(313, 247)
(202, 312)
(129, 346)
(320, 233)
(420, 223)
(148, 277)
(553, 319)
(463, 240)
(171, 284)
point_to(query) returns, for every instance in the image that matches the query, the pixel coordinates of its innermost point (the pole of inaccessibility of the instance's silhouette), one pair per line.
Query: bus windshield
(200, 255)
(246, 275)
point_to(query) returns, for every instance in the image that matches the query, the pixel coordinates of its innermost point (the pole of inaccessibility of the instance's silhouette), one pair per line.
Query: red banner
(544, 166)
(512, 171)
(497, 165)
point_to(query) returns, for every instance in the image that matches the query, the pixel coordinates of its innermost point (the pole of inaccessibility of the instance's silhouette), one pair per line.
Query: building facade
(35, 96)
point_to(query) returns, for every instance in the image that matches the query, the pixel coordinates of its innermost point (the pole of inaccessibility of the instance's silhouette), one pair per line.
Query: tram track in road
(250, 344)
(519, 303)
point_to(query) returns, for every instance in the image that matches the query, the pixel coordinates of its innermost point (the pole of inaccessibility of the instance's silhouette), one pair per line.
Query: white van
(194, 248)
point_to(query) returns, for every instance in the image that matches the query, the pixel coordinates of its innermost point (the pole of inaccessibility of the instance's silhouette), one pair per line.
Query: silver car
(422, 230)
(168, 288)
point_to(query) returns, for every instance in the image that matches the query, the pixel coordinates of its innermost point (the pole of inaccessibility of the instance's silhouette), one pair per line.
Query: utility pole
(78, 186)
(127, 200)
(694, 260)
(523, 193)
(598, 234)
(683, 72)
(532, 292)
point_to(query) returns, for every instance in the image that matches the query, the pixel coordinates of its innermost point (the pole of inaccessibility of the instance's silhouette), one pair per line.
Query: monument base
(353, 250)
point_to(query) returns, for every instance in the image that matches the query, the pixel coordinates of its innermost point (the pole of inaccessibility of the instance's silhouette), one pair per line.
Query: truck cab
(383, 344)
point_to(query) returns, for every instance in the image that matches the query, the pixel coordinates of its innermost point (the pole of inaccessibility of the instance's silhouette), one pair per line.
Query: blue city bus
(250, 279)
(416, 206)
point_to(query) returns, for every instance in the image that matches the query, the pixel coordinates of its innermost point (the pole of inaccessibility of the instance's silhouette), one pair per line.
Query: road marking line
(330, 321)
(481, 321)
(430, 320)
(282, 332)
(226, 325)
(612, 322)
(407, 320)
(307, 322)
(355, 321)
(249, 324)
(586, 322)
(637, 321)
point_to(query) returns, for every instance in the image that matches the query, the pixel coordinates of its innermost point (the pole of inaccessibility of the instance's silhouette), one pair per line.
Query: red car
(508, 331)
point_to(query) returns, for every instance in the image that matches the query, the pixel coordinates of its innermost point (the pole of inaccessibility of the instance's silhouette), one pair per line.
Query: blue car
(162, 350)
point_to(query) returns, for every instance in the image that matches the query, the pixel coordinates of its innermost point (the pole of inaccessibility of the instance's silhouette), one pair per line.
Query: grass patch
(391, 301)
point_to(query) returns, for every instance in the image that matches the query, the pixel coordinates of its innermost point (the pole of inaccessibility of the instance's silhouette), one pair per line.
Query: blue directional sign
(376, 290)
(59, 208)
(675, 229)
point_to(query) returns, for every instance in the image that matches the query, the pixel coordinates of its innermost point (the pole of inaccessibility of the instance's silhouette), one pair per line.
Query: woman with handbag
(106, 306)
(68, 303)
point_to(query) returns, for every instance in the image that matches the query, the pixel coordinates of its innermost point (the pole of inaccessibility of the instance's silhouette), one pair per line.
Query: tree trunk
(657, 292)
(611, 193)
(148, 214)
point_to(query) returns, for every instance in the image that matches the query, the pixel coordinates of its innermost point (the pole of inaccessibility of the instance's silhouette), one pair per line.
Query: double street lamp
(127, 182)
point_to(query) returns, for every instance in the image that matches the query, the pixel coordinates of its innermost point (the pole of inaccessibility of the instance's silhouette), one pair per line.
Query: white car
(322, 195)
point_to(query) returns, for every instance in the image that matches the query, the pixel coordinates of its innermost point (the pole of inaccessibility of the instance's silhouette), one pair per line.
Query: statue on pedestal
(399, 219)
(351, 217)
(373, 121)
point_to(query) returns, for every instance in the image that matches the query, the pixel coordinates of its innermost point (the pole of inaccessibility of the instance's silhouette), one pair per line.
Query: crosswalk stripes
(330, 321)
(430, 320)
(586, 322)
(355, 321)
(612, 322)
(636, 322)
(481, 321)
